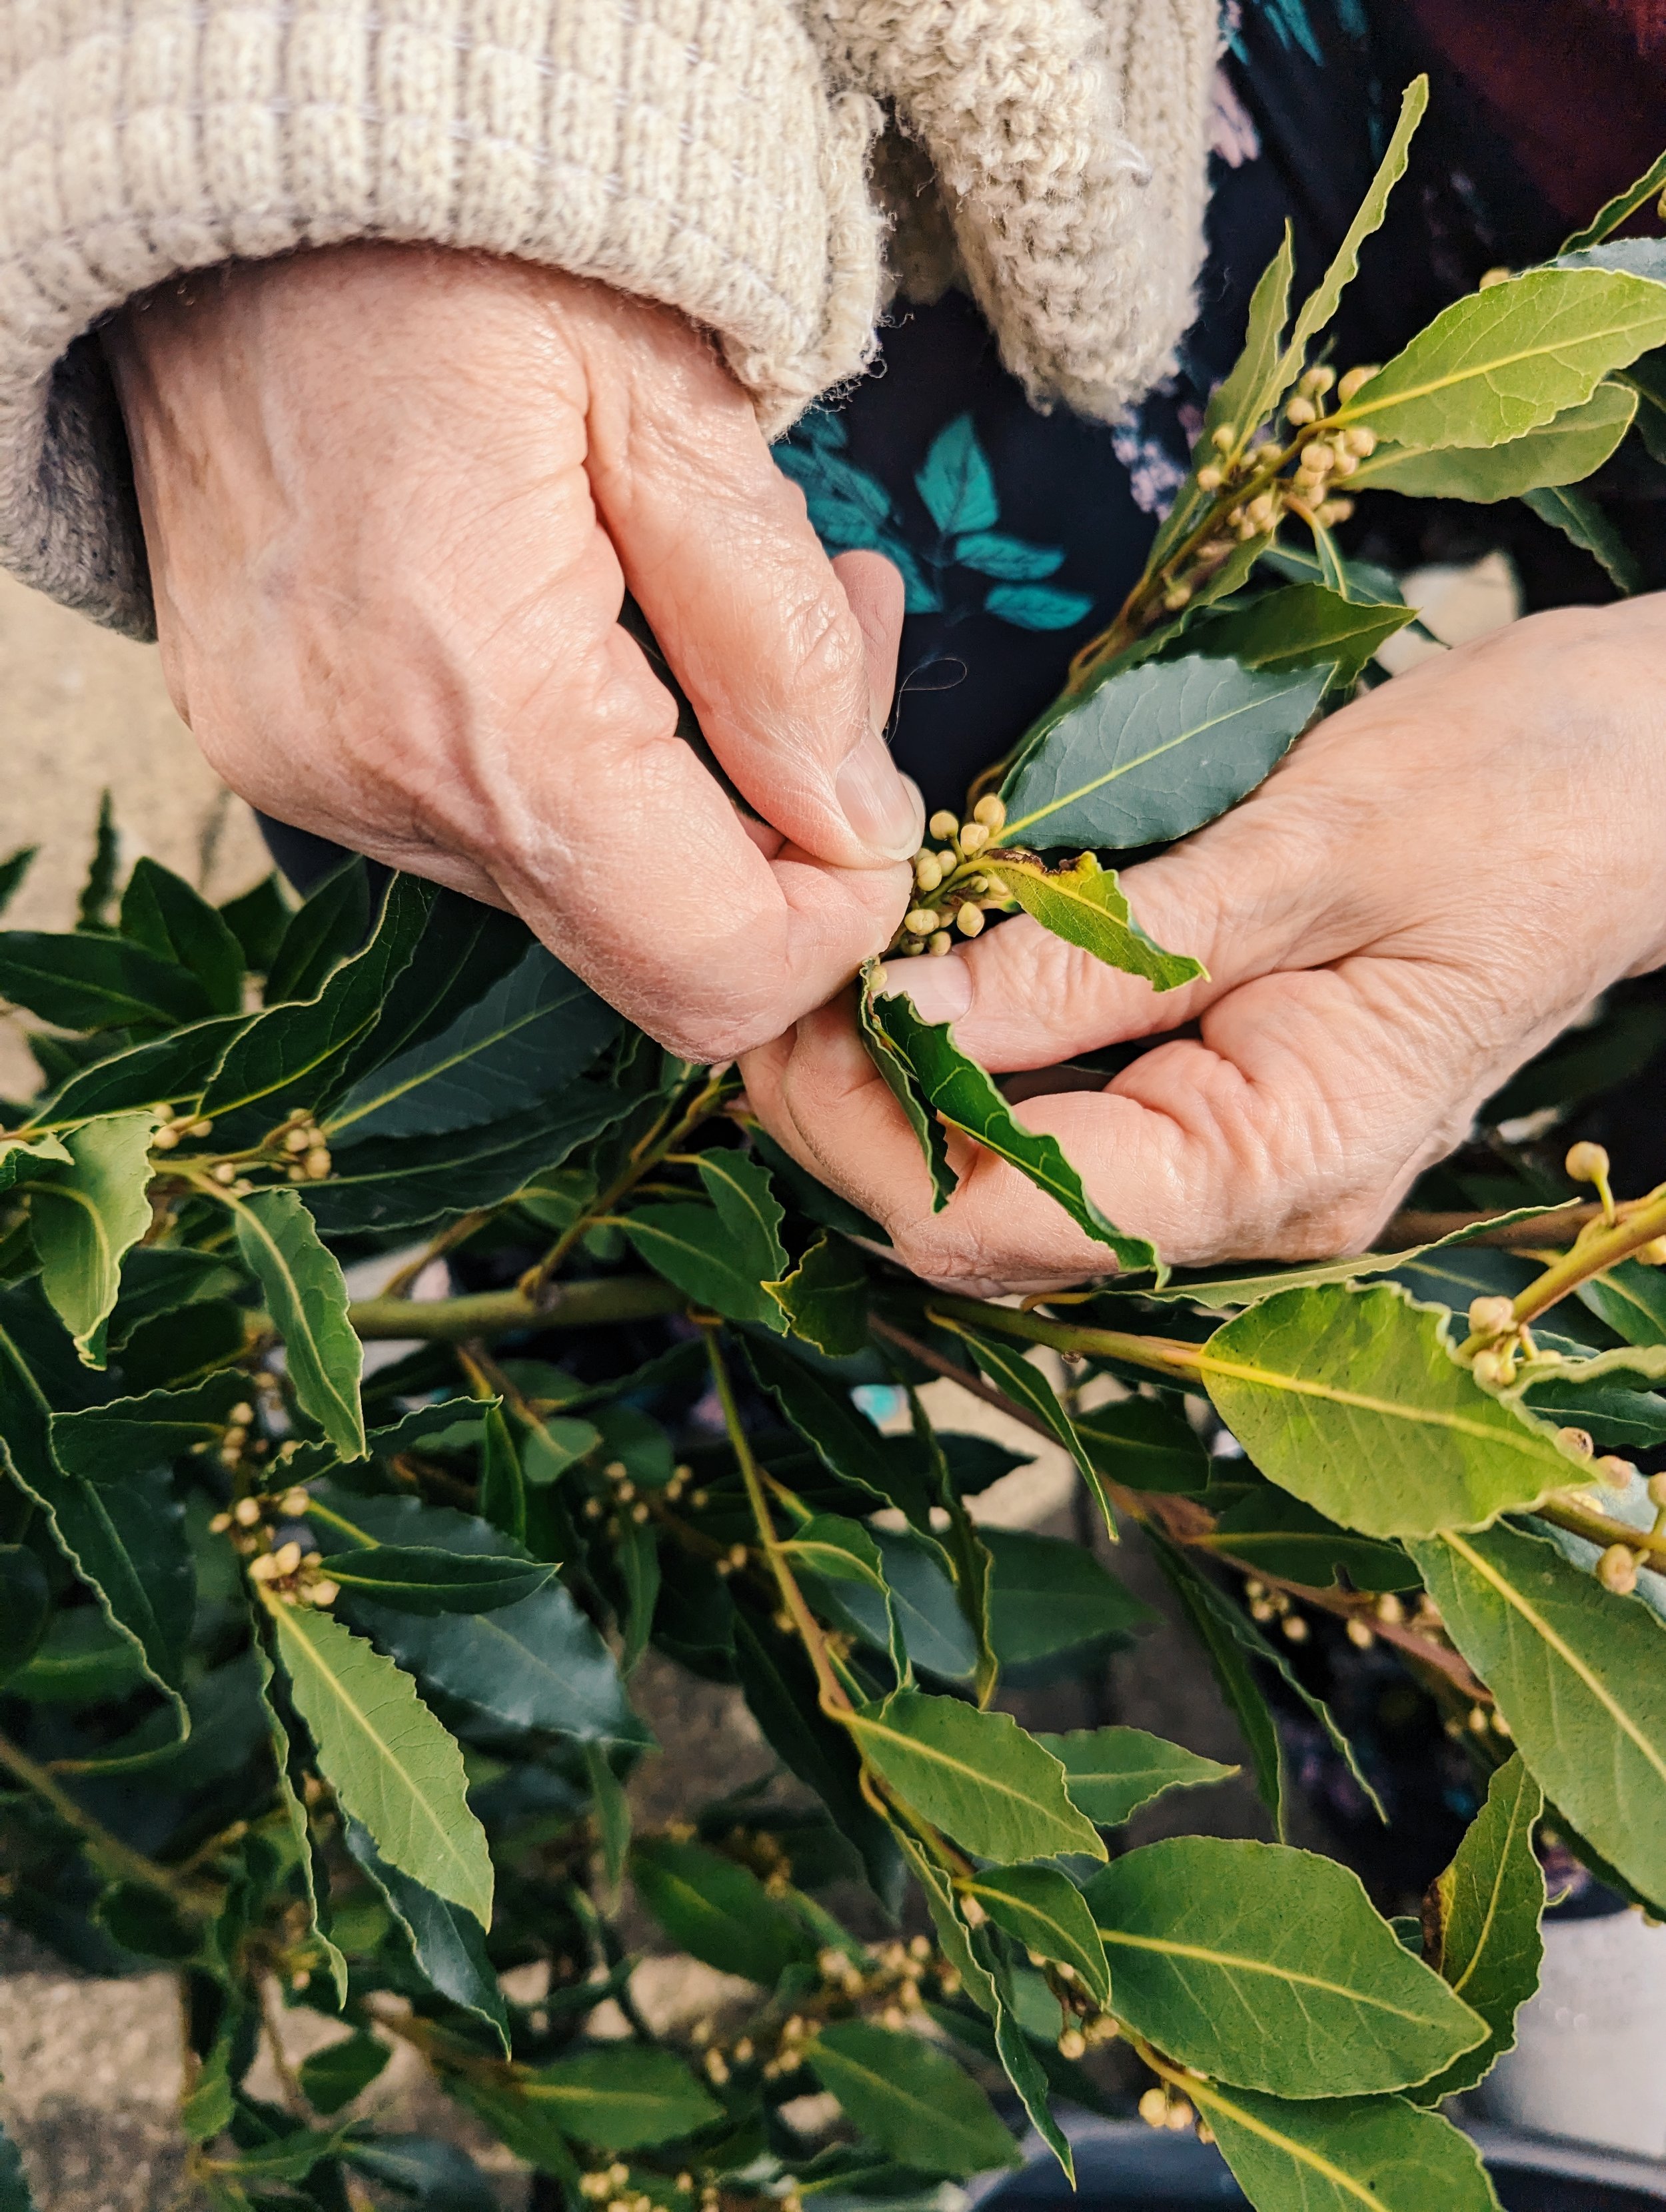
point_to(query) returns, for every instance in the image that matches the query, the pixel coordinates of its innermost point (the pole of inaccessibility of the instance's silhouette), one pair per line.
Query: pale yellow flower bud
(224, 1172)
(1154, 2108)
(324, 1592)
(1317, 381)
(1491, 1316)
(1361, 440)
(927, 872)
(1617, 1571)
(1490, 1368)
(1300, 412)
(1576, 1443)
(968, 920)
(1587, 1162)
(991, 811)
(287, 1558)
(921, 920)
(1224, 437)
(1335, 511)
(246, 1512)
(975, 836)
(1176, 597)
(318, 1163)
(1614, 1472)
(1210, 479)
(1492, 277)
(940, 943)
(1072, 2043)
(293, 1504)
(165, 1141)
(1353, 383)
(943, 823)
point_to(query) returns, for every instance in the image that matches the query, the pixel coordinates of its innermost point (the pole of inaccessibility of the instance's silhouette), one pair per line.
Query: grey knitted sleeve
(692, 151)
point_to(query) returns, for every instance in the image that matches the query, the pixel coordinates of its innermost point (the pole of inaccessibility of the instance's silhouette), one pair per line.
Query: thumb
(782, 667)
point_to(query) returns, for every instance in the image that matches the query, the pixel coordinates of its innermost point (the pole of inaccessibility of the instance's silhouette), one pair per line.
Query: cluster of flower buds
(1162, 2107)
(614, 2187)
(1617, 1568)
(174, 1131)
(1267, 1606)
(290, 1574)
(307, 1153)
(950, 894)
(1480, 1721)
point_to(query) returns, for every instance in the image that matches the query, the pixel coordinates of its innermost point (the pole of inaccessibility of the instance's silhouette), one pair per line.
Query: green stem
(834, 1700)
(1596, 1251)
(1163, 1355)
(583, 1304)
(120, 1858)
(1650, 1545)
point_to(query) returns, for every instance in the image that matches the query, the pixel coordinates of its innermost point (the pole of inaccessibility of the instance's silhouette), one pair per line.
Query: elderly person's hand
(1436, 881)
(392, 498)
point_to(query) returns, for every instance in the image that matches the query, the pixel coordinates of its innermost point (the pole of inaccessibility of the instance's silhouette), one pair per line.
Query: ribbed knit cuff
(686, 150)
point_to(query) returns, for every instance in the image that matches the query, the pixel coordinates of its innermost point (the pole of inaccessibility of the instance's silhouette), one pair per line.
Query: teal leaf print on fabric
(851, 510)
(1008, 558)
(956, 483)
(1034, 606)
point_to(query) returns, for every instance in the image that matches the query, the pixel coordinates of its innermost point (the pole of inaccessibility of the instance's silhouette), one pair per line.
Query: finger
(718, 550)
(1290, 1130)
(876, 592)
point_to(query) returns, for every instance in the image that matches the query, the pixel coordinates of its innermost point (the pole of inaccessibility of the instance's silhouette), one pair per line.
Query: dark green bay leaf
(466, 949)
(13, 869)
(824, 1298)
(1083, 904)
(289, 1751)
(124, 1542)
(1003, 1363)
(162, 912)
(1609, 216)
(537, 1664)
(295, 1054)
(92, 983)
(407, 1183)
(1484, 1910)
(1586, 525)
(911, 2100)
(1569, 448)
(329, 926)
(258, 919)
(499, 1494)
(1579, 1675)
(959, 1091)
(26, 1600)
(1152, 754)
(526, 1037)
(1338, 2153)
(624, 2097)
(174, 1349)
(163, 1279)
(843, 1552)
(1270, 1530)
(1268, 1967)
(1321, 304)
(391, 1765)
(1110, 1773)
(424, 2170)
(1048, 1596)
(976, 1775)
(1616, 1418)
(418, 1578)
(1303, 626)
(739, 1187)
(1353, 1400)
(87, 1216)
(780, 1691)
(334, 2076)
(1044, 1910)
(718, 1910)
(904, 1081)
(125, 1436)
(80, 1660)
(23, 1156)
(689, 1243)
(1231, 1642)
(845, 1441)
(1631, 1299)
(306, 1294)
(446, 1940)
(173, 1070)
(1509, 359)
(1143, 1445)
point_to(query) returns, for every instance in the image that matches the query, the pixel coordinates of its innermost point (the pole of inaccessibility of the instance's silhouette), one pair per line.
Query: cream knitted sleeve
(689, 150)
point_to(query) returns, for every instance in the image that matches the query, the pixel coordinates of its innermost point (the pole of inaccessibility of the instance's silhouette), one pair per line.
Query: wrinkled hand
(1430, 886)
(392, 498)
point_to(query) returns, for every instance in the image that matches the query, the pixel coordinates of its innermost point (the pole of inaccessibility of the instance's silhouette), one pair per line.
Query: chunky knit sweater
(770, 167)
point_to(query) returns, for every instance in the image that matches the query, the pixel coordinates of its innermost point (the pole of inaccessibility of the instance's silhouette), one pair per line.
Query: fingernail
(882, 808)
(941, 990)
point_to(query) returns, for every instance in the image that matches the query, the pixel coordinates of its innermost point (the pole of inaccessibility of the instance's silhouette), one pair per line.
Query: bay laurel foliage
(316, 1671)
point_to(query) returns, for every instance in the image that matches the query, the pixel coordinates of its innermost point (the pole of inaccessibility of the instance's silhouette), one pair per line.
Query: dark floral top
(1019, 533)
